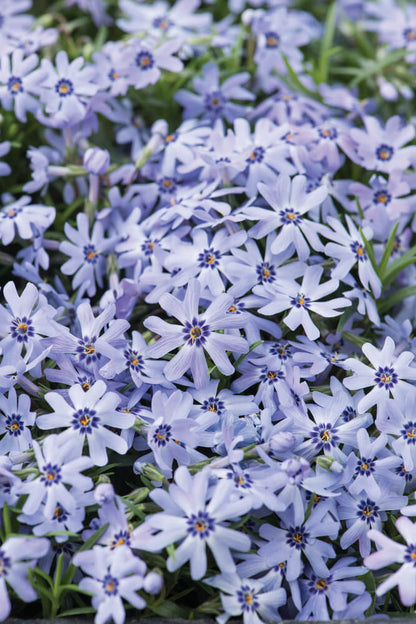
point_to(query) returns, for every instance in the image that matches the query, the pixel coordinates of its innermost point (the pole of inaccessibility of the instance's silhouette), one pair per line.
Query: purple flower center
(384, 152)
(120, 538)
(163, 23)
(247, 597)
(381, 197)
(148, 246)
(11, 212)
(15, 425)
(60, 515)
(241, 480)
(86, 350)
(209, 258)
(270, 376)
(348, 414)
(110, 585)
(167, 185)
(196, 333)
(214, 102)
(385, 377)
(86, 382)
(410, 554)
(272, 39)
(134, 360)
(359, 250)
(113, 75)
(367, 511)
(162, 435)
(236, 308)
(300, 301)
(200, 525)
(15, 85)
(409, 432)
(266, 272)
(324, 436)
(145, 60)
(22, 329)
(212, 404)
(409, 34)
(5, 564)
(402, 472)
(297, 537)
(64, 87)
(289, 216)
(85, 420)
(51, 475)
(257, 155)
(365, 466)
(282, 350)
(328, 133)
(90, 254)
(319, 585)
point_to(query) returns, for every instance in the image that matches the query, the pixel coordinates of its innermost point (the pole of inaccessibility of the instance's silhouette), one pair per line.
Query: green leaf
(171, 551)
(326, 43)
(369, 250)
(387, 252)
(360, 210)
(79, 611)
(399, 265)
(251, 348)
(398, 296)
(169, 610)
(354, 338)
(346, 315)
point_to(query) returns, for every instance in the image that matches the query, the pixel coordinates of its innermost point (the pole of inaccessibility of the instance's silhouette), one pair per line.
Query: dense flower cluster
(207, 361)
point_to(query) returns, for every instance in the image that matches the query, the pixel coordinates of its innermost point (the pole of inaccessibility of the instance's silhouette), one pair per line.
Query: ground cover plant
(207, 306)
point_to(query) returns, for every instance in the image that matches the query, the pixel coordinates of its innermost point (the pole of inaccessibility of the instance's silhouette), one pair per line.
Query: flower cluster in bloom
(207, 309)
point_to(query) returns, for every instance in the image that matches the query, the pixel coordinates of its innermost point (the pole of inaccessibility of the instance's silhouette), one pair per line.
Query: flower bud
(282, 442)
(153, 583)
(96, 160)
(104, 493)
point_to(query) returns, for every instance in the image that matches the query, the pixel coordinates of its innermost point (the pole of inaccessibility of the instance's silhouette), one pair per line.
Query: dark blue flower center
(409, 432)
(86, 350)
(167, 185)
(385, 377)
(266, 272)
(214, 102)
(270, 377)
(381, 197)
(367, 511)
(324, 436)
(51, 475)
(409, 34)
(359, 250)
(196, 333)
(365, 466)
(162, 435)
(22, 329)
(64, 87)
(145, 60)
(289, 216)
(110, 585)
(209, 258)
(384, 152)
(60, 515)
(14, 425)
(90, 254)
(410, 554)
(348, 414)
(300, 301)
(272, 39)
(200, 525)
(257, 155)
(212, 404)
(319, 585)
(85, 420)
(247, 597)
(163, 23)
(134, 360)
(15, 85)
(120, 538)
(282, 349)
(297, 537)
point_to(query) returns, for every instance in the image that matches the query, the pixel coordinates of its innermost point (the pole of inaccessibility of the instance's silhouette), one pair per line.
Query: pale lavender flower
(19, 83)
(194, 514)
(17, 554)
(393, 552)
(21, 217)
(387, 375)
(86, 418)
(15, 422)
(196, 333)
(146, 61)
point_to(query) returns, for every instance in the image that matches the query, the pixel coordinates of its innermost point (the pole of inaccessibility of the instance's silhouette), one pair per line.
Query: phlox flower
(389, 552)
(194, 514)
(112, 576)
(4, 149)
(60, 520)
(17, 554)
(196, 333)
(349, 249)
(15, 422)
(19, 83)
(23, 218)
(247, 597)
(288, 294)
(86, 418)
(331, 590)
(289, 201)
(87, 253)
(58, 466)
(398, 420)
(146, 61)
(387, 375)
(66, 89)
